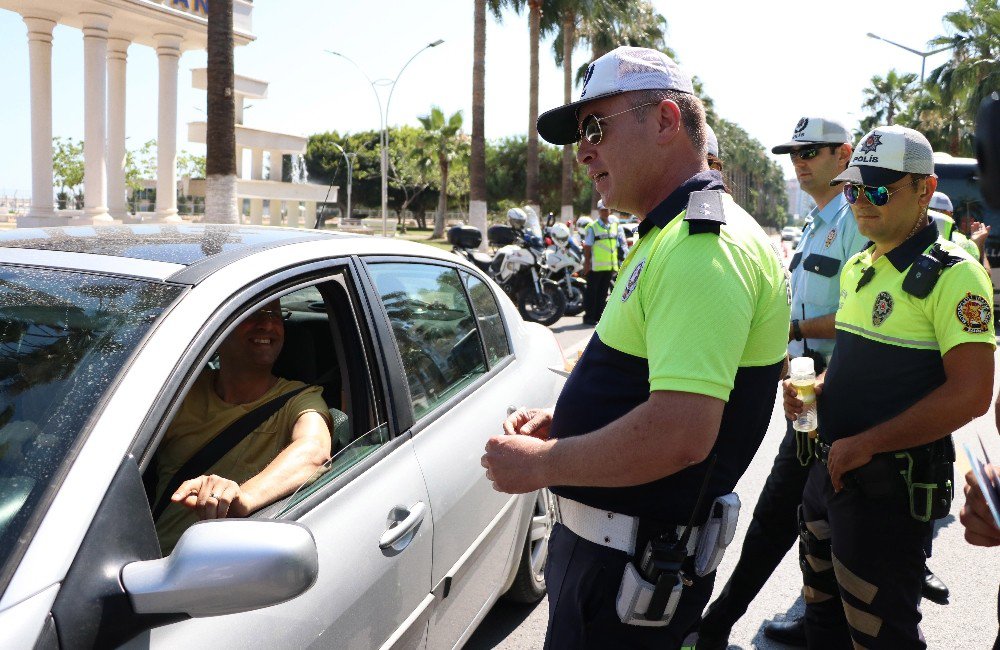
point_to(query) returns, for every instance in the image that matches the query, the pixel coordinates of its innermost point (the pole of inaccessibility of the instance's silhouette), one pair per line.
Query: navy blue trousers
(866, 563)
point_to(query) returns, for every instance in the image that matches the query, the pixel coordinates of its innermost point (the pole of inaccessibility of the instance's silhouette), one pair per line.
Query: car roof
(180, 252)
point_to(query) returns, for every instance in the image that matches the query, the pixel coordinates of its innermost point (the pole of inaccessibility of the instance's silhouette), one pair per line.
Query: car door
(459, 387)
(369, 511)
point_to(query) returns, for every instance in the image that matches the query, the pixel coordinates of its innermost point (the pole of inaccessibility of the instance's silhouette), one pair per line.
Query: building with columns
(299, 199)
(109, 28)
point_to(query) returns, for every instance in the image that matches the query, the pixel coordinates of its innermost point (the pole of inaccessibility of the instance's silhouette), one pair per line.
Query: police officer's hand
(529, 422)
(980, 529)
(846, 454)
(978, 232)
(516, 464)
(790, 402)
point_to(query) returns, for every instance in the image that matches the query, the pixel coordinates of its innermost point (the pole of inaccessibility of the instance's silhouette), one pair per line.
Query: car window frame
(475, 313)
(224, 319)
(403, 390)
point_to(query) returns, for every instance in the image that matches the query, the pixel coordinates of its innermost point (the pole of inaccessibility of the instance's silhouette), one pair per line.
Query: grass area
(423, 236)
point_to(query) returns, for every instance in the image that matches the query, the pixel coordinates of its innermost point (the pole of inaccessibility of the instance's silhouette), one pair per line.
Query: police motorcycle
(520, 268)
(465, 242)
(564, 261)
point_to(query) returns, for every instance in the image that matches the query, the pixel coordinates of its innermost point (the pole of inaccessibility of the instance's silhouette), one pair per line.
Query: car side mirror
(225, 566)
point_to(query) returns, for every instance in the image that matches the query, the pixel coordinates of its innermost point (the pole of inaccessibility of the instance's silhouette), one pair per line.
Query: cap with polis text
(621, 70)
(815, 130)
(886, 154)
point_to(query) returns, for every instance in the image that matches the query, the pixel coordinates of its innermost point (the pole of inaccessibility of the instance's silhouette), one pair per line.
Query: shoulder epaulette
(705, 212)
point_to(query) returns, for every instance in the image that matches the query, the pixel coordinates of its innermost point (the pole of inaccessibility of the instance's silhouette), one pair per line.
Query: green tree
(67, 167)
(888, 96)
(941, 116)
(441, 143)
(755, 181)
(973, 71)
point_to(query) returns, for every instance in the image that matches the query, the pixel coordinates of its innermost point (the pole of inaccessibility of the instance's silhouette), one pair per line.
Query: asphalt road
(969, 621)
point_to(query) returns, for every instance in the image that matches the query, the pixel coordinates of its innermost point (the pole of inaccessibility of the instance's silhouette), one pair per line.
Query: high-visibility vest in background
(604, 254)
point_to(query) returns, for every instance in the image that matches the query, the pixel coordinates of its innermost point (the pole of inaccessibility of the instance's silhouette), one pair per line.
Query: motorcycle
(564, 261)
(519, 267)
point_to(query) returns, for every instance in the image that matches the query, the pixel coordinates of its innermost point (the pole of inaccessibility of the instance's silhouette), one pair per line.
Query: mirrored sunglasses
(265, 314)
(806, 153)
(877, 196)
(590, 127)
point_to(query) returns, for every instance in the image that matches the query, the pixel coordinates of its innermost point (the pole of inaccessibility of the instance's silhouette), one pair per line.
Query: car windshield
(64, 337)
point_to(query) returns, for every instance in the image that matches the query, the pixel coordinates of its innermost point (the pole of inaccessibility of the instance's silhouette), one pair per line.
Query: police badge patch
(633, 281)
(882, 308)
(974, 314)
(830, 236)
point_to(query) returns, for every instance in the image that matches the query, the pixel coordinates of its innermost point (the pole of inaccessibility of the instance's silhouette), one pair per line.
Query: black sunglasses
(590, 126)
(877, 196)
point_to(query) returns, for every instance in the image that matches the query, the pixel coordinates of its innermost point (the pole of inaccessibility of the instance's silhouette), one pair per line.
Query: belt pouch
(634, 595)
(717, 533)
(928, 471)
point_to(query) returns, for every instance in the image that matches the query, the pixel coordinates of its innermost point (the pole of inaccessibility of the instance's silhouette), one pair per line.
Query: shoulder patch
(974, 314)
(633, 281)
(705, 212)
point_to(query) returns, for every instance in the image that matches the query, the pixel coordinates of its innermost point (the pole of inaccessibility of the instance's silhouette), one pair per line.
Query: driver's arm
(216, 497)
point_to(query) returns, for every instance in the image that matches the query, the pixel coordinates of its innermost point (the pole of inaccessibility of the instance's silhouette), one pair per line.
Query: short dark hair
(691, 108)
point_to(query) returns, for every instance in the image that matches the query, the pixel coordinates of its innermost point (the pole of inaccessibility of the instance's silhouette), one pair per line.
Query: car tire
(529, 584)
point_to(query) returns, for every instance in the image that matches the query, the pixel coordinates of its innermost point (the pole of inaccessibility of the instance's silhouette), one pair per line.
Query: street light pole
(923, 55)
(384, 123)
(350, 174)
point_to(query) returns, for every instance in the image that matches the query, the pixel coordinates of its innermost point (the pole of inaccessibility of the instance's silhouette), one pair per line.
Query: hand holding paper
(981, 513)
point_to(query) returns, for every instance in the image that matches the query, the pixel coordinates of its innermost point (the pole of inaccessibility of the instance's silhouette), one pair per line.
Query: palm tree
(974, 67)
(220, 136)
(442, 141)
(477, 162)
(940, 114)
(887, 97)
(534, 36)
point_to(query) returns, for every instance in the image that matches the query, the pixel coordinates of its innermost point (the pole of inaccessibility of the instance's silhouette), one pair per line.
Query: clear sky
(765, 64)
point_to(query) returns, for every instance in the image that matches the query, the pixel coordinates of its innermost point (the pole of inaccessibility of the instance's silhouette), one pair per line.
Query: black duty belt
(822, 451)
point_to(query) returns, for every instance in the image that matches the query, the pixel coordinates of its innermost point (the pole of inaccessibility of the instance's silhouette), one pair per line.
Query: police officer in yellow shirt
(913, 362)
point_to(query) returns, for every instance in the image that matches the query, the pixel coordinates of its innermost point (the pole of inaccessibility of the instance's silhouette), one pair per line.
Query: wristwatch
(796, 330)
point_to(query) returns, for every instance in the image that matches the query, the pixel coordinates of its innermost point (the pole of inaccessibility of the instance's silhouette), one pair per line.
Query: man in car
(675, 391)
(268, 462)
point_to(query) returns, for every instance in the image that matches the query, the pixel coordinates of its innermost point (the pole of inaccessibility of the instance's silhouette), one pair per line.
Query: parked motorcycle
(519, 268)
(564, 261)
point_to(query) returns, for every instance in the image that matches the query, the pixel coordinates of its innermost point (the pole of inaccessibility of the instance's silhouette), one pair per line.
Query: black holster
(928, 471)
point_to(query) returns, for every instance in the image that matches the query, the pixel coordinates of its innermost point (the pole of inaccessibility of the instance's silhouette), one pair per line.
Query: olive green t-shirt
(202, 416)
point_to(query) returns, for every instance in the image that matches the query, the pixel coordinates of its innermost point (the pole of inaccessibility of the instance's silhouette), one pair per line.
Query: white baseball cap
(621, 70)
(815, 130)
(600, 204)
(711, 142)
(940, 201)
(887, 154)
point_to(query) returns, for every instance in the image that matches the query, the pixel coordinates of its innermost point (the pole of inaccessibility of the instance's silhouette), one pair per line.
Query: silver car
(399, 542)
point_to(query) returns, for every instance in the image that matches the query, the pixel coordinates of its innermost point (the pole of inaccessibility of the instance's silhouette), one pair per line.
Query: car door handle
(400, 529)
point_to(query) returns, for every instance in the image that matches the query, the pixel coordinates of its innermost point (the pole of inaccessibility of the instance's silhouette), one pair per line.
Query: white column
(95, 92)
(274, 212)
(275, 172)
(257, 164)
(40, 54)
(239, 162)
(168, 54)
(117, 56)
(256, 211)
(294, 214)
(310, 214)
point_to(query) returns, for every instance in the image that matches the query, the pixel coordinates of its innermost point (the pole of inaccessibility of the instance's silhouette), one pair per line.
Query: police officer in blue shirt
(820, 149)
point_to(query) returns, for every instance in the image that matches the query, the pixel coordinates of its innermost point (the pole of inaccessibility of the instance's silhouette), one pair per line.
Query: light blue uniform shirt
(826, 244)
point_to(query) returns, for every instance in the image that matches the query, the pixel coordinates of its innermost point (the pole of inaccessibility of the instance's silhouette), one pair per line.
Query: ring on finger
(212, 496)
